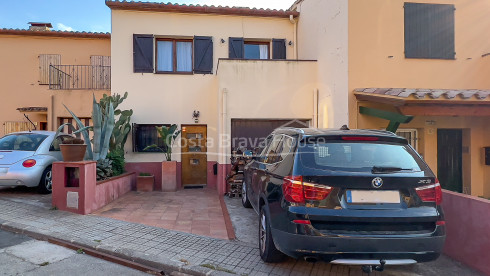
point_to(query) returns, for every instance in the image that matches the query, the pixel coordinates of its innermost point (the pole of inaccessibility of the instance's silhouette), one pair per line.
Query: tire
(268, 251)
(46, 183)
(245, 201)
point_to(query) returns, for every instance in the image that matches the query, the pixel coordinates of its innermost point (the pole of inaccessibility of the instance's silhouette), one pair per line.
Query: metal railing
(79, 77)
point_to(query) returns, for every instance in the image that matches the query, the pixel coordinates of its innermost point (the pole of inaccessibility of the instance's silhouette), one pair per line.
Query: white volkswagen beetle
(26, 158)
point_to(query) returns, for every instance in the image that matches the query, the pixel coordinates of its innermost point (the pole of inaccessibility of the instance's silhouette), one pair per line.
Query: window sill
(174, 73)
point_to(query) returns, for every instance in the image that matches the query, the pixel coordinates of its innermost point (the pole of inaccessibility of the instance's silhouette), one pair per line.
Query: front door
(194, 155)
(449, 159)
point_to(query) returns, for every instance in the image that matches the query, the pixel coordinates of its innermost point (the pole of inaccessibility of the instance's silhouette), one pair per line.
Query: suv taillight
(430, 193)
(297, 191)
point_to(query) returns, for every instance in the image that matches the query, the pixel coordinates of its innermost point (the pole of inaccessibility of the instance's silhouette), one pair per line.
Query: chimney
(40, 26)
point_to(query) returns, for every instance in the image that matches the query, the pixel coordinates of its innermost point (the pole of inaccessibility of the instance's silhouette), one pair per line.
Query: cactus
(122, 126)
(103, 121)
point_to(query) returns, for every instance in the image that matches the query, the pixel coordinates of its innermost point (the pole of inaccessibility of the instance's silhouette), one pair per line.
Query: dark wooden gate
(450, 159)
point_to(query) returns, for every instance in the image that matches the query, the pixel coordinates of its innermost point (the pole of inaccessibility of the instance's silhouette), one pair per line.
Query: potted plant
(169, 168)
(144, 182)
(73, 149)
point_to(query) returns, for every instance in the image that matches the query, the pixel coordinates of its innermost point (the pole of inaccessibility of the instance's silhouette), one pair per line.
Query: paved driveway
(246, 227)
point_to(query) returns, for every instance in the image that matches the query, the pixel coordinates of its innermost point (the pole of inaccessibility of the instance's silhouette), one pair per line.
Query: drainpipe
(53, 119)
(315, 108)
(295, 37)
(224, 112)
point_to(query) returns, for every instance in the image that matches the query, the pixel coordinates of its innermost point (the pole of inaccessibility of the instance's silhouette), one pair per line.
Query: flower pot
(73, 152)
(145, 183)
(169, 176)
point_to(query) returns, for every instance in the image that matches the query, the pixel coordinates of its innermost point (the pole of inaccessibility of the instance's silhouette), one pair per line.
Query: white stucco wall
(323, 35)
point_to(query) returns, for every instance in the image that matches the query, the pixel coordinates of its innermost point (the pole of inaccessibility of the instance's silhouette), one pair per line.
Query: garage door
(250, 133)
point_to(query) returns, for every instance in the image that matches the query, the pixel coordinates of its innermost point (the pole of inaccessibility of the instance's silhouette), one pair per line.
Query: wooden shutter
(13, 126)
(203, 55)
(44, 62)
(236, 46)
(429, 31)
(142, 53)
(101, 72)
(278, 49)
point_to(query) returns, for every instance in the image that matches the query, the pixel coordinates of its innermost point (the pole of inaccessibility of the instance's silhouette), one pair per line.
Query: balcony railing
(79, 77)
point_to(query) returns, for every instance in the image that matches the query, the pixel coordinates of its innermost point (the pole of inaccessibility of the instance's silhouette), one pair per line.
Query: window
(429, 31)
(45, 61)
(86, 121)
(22, 142)
(256, 50)
(271, 153)
(55, 146)
(249, 49)
(410, 135)
(101, 72)
(145, 135)
(174, 55)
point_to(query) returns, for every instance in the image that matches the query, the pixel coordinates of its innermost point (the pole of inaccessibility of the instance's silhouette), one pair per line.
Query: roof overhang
(55, 34)
(178, 8)
(430, 102)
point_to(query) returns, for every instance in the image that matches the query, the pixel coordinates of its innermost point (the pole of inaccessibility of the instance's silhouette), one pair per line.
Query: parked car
(360, 197)
(26, 158)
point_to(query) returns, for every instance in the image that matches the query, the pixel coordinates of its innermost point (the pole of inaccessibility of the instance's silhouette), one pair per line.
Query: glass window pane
(165, 57)
(184, 56)
(252, 51)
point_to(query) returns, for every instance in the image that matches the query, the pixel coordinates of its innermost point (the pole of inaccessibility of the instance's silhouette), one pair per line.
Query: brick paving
(196, 211)
(177, 251)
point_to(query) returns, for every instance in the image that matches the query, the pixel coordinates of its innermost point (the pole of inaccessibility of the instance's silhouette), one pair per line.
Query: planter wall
(467, 229)
(90, 195)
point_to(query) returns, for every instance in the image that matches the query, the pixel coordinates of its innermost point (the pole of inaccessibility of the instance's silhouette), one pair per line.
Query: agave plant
(168, 135)
(122, 126)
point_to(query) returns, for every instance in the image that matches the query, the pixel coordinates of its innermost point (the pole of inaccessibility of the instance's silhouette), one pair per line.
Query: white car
(26, 158)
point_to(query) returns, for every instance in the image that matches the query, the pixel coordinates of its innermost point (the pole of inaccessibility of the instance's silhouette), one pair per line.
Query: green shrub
(117, 158)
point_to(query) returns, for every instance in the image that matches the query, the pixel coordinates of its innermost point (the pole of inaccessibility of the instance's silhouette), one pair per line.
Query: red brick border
(226, 216)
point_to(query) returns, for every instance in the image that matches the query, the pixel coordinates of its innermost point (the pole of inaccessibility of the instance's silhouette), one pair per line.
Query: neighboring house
(428, 59)
(43, 69)
(237, 67)
(368, 64)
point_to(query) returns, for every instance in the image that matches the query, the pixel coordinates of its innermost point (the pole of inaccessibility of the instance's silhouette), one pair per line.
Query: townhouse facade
(44, 69)
(233, 74)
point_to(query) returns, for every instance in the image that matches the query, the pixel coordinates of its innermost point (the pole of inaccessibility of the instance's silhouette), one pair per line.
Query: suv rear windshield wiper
(381, 169)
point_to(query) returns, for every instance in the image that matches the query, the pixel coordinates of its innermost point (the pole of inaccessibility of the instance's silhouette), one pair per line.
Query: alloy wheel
(48, 180)
(262, 233)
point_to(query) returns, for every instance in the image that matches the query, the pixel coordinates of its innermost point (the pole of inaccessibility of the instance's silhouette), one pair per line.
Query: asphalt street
(21, 255)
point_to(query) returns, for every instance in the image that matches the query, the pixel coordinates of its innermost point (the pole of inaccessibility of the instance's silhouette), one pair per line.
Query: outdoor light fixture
(222, 41)
(195, 116)
(290, 43)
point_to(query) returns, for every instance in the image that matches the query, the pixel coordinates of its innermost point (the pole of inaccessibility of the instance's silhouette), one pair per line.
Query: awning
(33, 109)
(430, 102)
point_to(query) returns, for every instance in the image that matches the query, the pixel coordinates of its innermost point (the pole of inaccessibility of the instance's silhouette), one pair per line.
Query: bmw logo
(377, 182)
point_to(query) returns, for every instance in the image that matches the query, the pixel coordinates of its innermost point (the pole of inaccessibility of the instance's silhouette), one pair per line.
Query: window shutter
(236, 47)
(278, 49)
(45, 61)
(142, 53)
(203, 55)
(429, 31)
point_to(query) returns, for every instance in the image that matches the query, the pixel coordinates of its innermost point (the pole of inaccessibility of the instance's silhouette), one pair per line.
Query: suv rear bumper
(420, 249)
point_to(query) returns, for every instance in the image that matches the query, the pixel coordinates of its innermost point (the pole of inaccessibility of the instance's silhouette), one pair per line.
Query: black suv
(344, 196)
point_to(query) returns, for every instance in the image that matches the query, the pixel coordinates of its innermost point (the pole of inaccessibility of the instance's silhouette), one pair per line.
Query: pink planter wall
(468, 229)
(89, 195)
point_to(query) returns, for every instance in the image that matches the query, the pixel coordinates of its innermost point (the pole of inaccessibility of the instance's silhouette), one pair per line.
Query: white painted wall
(323, 35)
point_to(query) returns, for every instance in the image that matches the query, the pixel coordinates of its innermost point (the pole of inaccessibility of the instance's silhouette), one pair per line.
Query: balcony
(79, 77)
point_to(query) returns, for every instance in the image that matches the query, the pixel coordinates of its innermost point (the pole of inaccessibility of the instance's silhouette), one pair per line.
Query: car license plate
(359, 196)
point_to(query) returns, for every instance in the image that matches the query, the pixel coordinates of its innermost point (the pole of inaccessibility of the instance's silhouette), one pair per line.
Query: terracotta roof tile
(182, 8)
(55, 33)
(465, 94)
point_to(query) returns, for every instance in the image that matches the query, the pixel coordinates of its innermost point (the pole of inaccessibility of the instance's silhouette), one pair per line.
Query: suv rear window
(359, 157)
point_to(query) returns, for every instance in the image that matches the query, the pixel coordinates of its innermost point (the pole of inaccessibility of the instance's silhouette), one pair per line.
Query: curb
(122, 256)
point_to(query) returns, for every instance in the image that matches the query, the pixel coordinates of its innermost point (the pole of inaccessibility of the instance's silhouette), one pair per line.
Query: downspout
(52, 126)
(315, 108)
(295, 36)
(224, 134)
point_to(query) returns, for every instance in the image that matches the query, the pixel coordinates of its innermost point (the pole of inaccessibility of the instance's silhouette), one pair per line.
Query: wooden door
(194, 155)
(450, 159)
